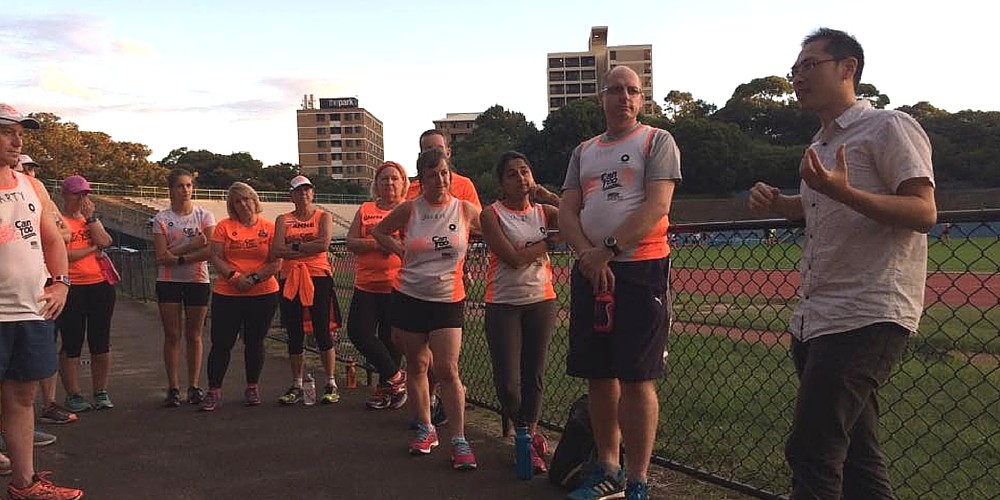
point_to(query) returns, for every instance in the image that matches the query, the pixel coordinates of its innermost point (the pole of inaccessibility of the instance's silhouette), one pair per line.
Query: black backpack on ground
(576, 448)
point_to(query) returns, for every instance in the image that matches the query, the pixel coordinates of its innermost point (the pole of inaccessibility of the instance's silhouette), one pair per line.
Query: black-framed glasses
(619, 90)
(807, 67)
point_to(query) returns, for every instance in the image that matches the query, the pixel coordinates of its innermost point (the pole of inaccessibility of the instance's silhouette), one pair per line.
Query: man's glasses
(806, 67)
(619, 90)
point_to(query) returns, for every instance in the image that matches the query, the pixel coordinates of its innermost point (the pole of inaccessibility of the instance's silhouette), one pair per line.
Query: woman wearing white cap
(90, 303)
(302, 239)
(180, 237)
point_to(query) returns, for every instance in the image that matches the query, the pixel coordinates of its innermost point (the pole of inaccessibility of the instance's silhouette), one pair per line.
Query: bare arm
(322, 242)
(164, 256)
(61, 225)
(541, 195)
(98, 234)
(54, 251)
(472, 215)
(79, 253)
(502, 247)
(912, 206)
(569, 221)
(355, 242)
(395, 221)
(218, 259)
(766, 199)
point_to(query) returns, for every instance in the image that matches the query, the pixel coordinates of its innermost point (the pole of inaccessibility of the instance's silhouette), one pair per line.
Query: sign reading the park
(338, 102)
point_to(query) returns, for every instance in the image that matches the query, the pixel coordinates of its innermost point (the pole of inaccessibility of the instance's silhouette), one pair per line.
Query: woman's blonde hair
(241, 189)
(402, 173)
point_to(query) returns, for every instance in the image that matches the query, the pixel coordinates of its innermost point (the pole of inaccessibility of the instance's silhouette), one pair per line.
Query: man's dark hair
(428, 160)
(506, 158)
(175, 174)
(432, 131)
(840, 45)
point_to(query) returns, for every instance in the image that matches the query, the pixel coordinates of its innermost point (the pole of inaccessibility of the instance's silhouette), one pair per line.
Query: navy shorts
(179, 292)
(423, 316)
(633, 350)
(27, 350)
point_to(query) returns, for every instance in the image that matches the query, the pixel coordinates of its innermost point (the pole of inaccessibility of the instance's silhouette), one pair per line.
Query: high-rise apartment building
(339, 139)
(579, 75)
(457, 125)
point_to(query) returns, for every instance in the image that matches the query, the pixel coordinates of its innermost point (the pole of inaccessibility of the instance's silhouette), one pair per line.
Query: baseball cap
(299, 181)
(75, 184)
(26, 160)
(10, 115)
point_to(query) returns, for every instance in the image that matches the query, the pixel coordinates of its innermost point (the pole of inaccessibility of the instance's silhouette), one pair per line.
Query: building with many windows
(457, 125)
(580, 75)
(339, 139)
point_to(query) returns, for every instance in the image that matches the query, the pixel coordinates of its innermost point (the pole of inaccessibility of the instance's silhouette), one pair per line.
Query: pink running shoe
(425, 440)
(461, 455)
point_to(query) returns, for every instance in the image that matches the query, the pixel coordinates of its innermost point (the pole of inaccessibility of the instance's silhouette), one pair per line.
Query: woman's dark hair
(506, 158)
(175, 174)
(430, 159)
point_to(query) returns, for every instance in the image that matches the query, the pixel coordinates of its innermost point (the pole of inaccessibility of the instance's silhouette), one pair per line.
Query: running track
(954, 289)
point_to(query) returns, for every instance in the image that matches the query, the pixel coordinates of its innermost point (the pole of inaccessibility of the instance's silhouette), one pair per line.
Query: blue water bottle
(522, 453)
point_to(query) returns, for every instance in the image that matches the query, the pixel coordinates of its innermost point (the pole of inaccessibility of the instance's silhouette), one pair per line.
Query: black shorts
(422, 316)
(178, 292)
(633, 350)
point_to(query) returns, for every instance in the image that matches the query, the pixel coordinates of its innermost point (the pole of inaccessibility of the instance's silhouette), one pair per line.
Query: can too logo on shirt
(441, 242)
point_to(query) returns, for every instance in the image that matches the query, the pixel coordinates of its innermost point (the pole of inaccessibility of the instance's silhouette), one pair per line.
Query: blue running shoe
(600, 485)
(636, 490)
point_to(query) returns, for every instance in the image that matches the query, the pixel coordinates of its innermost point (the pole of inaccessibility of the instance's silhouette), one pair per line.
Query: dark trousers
(230, 314)
(319, 315)
(833, 449)
(370, 330)
(519, 338)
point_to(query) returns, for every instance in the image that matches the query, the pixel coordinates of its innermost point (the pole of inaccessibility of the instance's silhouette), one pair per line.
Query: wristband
(180, 260)
(90, 220)
(296, 246)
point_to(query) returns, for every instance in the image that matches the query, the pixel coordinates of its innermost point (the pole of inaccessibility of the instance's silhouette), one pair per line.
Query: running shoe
(292, 396)
(173, 399)
(461, 455)
(397, 398)
(251, 396)
(43, 439)
(211, 400)
(330, 395)
(55, 414)
(42, 488)
(636, 490)
(102, 401)
(600, 485)
(76, 404)
(195, 395)
(380, 398)
(425, 441)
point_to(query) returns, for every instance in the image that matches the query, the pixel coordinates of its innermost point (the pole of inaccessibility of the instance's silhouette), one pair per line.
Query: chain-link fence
(726, 401)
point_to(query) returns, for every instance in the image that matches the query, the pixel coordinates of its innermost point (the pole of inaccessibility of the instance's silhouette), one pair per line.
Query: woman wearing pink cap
(90, 303)
(375, 270)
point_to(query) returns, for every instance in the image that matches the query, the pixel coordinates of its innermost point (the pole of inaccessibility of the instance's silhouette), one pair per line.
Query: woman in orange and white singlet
(301, 240)
(520, 299)
(375, 269)
(246, 293)
(180, 238)
(428, 300)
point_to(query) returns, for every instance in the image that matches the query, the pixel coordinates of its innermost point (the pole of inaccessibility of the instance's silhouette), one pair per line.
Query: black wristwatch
(255, 277)
(62, 278)
(90, 220)
(296, 245)
(612, 244)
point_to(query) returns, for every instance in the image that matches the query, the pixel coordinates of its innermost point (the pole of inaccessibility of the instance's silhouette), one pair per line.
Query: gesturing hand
(833, 183)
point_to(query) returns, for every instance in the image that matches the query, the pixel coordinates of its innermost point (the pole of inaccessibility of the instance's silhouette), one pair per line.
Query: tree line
(758, 135)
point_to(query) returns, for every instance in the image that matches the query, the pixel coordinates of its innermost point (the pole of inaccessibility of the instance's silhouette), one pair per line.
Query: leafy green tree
(563, 130)
(497, 130)
(766, 108)
(679, 105)
(868, 91)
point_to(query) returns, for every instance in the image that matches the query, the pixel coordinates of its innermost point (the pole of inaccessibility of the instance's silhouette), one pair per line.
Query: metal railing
(727, 399)
(109, 189)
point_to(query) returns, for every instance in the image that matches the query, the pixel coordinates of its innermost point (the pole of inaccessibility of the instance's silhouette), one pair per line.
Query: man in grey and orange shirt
(613, 213)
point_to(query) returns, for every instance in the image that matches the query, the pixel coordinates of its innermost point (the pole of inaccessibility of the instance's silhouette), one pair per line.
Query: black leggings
(87, 314)
(519, 337)
(319, 313)
(230, 313)
(370, 330)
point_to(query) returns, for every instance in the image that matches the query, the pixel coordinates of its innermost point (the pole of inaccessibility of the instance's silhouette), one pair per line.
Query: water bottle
(522, 453)
(604, 312)
(351, 373)
(309, 390)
